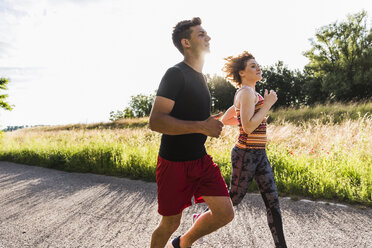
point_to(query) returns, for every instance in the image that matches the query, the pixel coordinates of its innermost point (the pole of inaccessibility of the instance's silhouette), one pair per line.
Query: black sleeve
(171, 84)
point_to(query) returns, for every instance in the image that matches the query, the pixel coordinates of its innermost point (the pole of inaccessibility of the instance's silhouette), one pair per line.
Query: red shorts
(179, 181)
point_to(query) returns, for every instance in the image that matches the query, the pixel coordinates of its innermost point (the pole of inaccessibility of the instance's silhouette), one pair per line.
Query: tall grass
(127, 152)
(329, 113)
(313, 159)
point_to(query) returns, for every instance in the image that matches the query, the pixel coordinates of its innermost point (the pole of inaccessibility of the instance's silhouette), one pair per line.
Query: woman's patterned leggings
(249, 163)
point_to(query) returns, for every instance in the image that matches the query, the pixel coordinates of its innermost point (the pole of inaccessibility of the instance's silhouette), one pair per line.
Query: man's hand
(212, 126)
(217, 116)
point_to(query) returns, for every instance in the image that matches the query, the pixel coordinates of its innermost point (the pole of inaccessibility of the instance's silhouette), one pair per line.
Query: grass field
(315, 159)
(335, 113)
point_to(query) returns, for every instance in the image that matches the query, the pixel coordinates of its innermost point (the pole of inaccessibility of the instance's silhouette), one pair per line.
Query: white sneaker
(195, 217)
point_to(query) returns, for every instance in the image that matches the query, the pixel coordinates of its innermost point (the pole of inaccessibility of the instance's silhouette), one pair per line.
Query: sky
(74, 61)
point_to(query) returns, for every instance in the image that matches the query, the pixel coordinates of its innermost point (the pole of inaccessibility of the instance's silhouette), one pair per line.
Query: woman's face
(252, 71)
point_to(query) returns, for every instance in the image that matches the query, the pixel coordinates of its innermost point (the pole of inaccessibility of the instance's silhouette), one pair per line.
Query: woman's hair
(235, 64)
(182, 31)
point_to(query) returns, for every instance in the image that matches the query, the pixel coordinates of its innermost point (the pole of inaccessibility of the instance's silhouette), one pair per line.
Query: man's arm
(160, 121)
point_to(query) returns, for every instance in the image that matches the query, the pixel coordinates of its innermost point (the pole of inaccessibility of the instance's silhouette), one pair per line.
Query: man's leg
(221, 213)
(162, 233)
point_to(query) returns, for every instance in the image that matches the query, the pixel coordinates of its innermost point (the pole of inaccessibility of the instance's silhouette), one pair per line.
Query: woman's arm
(250, 120)
(229, 118)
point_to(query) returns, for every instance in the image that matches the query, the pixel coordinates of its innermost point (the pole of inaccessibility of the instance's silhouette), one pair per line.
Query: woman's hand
(270, 98)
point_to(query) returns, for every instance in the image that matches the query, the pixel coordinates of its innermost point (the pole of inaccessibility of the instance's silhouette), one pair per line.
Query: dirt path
(47, 208)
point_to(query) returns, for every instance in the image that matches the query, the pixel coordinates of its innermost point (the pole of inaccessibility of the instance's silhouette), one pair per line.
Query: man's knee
(221, 208)
(229, 214)
(170, 224)
(173, 226)
(226, 215)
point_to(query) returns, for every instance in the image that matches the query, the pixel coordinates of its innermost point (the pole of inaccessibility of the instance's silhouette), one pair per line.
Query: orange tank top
(257, 139)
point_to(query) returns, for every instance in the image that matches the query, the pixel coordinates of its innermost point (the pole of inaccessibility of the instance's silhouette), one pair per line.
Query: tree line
(339, 70)
(14, 128)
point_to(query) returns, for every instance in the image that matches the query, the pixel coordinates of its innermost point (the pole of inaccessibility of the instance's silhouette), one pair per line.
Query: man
(181, 112)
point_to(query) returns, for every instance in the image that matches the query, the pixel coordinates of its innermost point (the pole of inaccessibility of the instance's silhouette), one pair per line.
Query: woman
(248, 156)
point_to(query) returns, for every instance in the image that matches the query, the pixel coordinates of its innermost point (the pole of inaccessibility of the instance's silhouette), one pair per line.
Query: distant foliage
(13, 128)
(339, 70)
(139, 106)
(286, 83)
(222, 92)
(340, 67)
(126, 113)
(3, 103)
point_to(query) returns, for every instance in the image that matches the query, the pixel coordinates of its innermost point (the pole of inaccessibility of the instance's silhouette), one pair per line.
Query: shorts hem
(170, 213)
(216, 194)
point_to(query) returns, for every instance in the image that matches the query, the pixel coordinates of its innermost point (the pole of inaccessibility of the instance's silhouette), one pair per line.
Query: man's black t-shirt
(188, 89)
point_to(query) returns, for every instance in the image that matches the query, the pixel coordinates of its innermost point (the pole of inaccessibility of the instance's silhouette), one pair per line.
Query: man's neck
(194, 62)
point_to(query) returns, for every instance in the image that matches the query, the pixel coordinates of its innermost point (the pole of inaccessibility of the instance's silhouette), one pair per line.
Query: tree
(340, 64)
(139, 106)
(222, 93)
(126, 113)
(286, 83)
(3, 103)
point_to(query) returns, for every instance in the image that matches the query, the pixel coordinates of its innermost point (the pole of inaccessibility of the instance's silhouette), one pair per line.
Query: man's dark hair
(182, 31)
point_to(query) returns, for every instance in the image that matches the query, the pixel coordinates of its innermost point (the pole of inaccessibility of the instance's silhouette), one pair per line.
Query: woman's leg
(266, 183)
(243, 171)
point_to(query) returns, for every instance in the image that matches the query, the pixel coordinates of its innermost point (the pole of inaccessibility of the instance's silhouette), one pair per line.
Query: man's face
(199, 39)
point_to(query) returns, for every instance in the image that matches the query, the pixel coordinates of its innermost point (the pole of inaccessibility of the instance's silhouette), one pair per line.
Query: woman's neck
(249, 84)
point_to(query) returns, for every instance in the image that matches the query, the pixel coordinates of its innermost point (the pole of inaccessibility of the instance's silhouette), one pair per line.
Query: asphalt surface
(48, 208)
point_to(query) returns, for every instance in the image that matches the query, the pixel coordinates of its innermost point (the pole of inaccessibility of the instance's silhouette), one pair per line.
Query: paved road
(47, 208)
